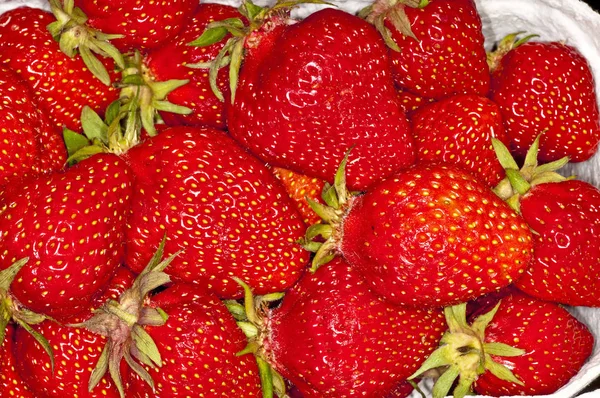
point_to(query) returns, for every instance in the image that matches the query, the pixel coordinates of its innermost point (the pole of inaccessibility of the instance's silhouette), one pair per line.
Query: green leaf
(41, 340)
(503, 350)
(151, 281)
(251, 10)
(484, 320)
(112, 112)
(112, 52)
(147, 113)
(326, 213)
(501, 371)
(440, 357)
(100, 368)
(152, 317)
(209, 37)
(94, 65)
(145, 344)
(84, 153)
(162, 89)
(7, 276)
(266, 377)
(236, 309)
(114, 369)
(250, 330)
(445, 381)
(133, 80)
(518, 182)
(74, 141)
(93, 125)
(137, 368)
(248, 301)
(68, 44)
(503, 154)
(237, 55)
(167, 106)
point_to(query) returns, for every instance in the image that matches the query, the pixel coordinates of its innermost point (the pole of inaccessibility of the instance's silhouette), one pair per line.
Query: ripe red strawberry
(437, 49)
(523, 346)
(144, 24)
(325, 85)
(459, 130)
(409, 102)
(220, 205)
(333, 337)
(61, 85)
(172, 60)
(11, 383)
(299, 187)
(28, 143)
(547, 87)
(71, 225)
(432, 235)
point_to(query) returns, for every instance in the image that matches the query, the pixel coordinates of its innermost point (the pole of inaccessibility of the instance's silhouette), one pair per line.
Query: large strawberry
(432, 235)
(324, 85)
(333, 337)
(523, 346)
(459, 130)
(28, 143)
(220, 205)
(436, 46)
(61, 85)
(546, 87)
(71, 225)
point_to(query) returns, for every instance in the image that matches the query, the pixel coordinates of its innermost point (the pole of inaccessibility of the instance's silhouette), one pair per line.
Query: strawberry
(333, 337)
(11, 383)
(459, 130)
(325, 85)
(436, 46)
(28, 143)
(219, 204)
(299, 187)
(550, 346)
(546, 87)
(432, 235)
(409, 102)
(71, 225)
(61, 85)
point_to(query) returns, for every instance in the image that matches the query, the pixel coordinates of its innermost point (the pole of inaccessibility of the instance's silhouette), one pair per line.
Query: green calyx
(394, 12)
(250, 317)
(12, 311)
(122, 323)
(505, 45)
(74, 36)
(464, 354)
(232, 53)
(519, 181)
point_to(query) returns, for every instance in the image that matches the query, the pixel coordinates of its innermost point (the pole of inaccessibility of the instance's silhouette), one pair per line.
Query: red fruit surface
(459, 130)
(324, 86)
(448, 57)
(299, 187)
(62, 86)
(566, 219)
(333, 337)
(548, 87)
(145, 24)
(218, 204)
(71, 225)
(28, 142)
(11, 383)
(434, 235)
(409, 102)
(170, 60)
(198, 345)
(556, 346)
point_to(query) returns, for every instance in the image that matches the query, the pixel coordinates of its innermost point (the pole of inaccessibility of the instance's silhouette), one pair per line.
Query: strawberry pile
(198, 200)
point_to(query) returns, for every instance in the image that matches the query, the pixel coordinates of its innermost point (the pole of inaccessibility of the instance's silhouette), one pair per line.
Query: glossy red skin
(548, 87)
(324, 86)
(218, 204)
(145, 24)
(76, 352)
(11, 383)
(333, 337)
(566, 219)
(434, 235)
(198, 345)
(459, 130)
(61, 85)
(300, 187)
(71, 225)
(556, 346)
(169, 62)
(410, 103)
(448, 58)
(28, 142)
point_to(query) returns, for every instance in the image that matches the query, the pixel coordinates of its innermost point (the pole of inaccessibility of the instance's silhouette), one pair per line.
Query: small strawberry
(459, 130)
(432, 235)
(436, 46)
(523, 346)
(61, 85)
(333, 337)
(299, 187)
(28, 143)
(71, 225)
(11, 383)
(546, 87)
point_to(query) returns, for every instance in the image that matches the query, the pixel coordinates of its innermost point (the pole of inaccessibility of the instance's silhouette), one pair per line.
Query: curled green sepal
(504, 46)
(392, 11)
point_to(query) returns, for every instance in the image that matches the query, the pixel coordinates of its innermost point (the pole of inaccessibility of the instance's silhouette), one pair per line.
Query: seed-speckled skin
(448, 57)
(29, 144)
(218, 204)
(71, 225)
(62, 86)
(459, 130)
(333, 337)
(170, 60)
(299, 187)
(11, 383)
(566, 219)
(145, 24)
(548, 87)
(198, 345)
(310, 91)
(434, 235)
(556, 346)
